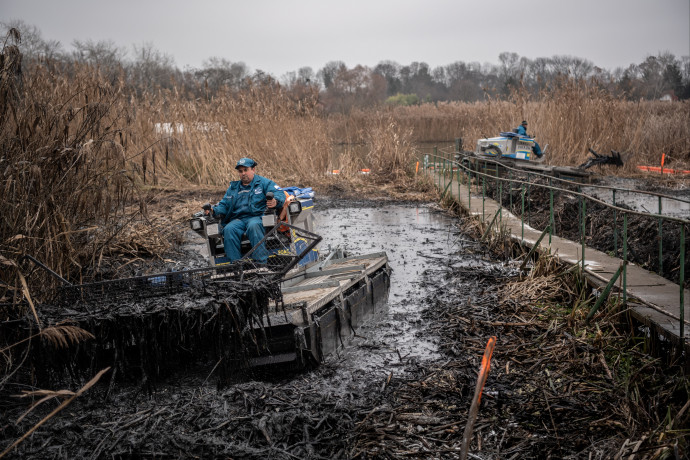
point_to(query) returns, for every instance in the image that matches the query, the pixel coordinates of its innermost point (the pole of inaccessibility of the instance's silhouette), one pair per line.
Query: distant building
(669, 96)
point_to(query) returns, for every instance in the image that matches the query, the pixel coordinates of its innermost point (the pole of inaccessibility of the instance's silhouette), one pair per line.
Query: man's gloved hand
(207, 209)
(270, 200)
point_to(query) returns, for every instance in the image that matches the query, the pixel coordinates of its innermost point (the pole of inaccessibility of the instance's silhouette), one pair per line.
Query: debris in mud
(557, 388)
(554, 391)
(150, 327)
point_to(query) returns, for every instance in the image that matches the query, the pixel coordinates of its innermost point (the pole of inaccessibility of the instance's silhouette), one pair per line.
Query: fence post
(551, 220)
(522, 215)
(615, 226)
(583, 220)
(483, 192)
(436, 169)
(510, 189)
(500, 201)
(605, 294)
(661, 242)
(534, 248)
(469, 190)
(529, 196)
(625, 258)
(681, 281)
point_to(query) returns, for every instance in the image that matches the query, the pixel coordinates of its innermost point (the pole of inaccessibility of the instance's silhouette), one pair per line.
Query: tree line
(340, 88)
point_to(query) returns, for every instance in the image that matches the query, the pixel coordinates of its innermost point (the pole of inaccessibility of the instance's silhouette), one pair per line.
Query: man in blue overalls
(522, 131)
(242, 207)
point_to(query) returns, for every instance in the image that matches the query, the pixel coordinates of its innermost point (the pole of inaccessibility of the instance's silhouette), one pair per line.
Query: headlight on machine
(196, 224)
(295, 208)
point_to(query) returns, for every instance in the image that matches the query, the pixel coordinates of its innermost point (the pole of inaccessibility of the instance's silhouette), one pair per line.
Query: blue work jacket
(258, 188)
(522, 131)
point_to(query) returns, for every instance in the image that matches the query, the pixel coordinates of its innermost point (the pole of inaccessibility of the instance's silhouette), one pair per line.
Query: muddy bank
(403, 386)
(301, 414)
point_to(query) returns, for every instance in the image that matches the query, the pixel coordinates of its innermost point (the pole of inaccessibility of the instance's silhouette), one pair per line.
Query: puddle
(415, 238)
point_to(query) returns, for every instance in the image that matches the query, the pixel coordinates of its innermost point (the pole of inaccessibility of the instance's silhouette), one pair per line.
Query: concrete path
(659, 298)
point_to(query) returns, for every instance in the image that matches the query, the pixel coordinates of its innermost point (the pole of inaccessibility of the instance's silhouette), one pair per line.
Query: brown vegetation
(77, 146)
(570, 119)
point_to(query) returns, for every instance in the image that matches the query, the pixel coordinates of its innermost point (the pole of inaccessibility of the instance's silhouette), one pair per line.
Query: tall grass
(286, 137)
(63, 170)
(570, 118)
(76, 146)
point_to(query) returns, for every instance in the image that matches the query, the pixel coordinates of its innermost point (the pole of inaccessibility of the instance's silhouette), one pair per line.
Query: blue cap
(248, 162)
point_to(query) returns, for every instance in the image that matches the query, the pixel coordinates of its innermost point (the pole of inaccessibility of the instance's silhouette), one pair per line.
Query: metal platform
(493, 166)
(322, 306)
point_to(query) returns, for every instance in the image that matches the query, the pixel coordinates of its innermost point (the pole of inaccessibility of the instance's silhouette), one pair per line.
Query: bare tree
(217, 72)
(105, 55)
(32, 45)
(151, 68)
(390, 71)
(329, 71)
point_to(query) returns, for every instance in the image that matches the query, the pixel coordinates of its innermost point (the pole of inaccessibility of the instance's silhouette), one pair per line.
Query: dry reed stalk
(48, 394)
(60, 336)
(62, 168)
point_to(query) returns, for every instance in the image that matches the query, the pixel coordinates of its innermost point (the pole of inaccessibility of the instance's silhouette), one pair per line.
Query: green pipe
(522, 214)
(488, 228)
(450, 182)
(583, 215)
(661, 242)
(483, 195)
(625, 258)
(469, 190)
(551, 222)
(681, 281)
(444, 172)
(500, 200)
(536, 245)
(529, 200)
(510, 181)
(438, 177)
(605, 295)
(615, 226)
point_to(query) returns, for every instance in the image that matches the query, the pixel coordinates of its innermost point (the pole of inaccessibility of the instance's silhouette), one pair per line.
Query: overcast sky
(278, 36)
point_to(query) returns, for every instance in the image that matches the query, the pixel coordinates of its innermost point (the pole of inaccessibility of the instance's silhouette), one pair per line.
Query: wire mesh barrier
(211, 326)
(639, 226)
(286, 246)
(152, 326)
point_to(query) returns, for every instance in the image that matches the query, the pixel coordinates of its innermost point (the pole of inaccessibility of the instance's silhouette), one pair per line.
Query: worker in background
(242, 207)
(522, 131)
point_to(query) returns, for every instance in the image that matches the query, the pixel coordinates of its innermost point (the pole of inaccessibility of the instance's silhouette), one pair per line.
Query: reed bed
(205, 138)
(63, 171)
(570, 119)
(78, 148)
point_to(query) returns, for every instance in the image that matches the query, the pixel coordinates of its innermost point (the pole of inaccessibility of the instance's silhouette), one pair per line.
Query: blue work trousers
(537, 150)
(232, 238)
